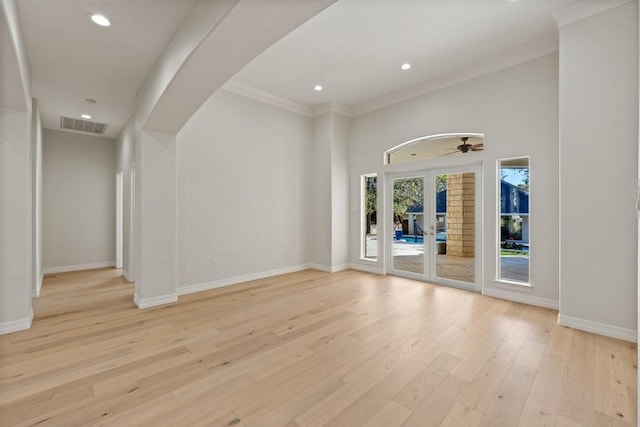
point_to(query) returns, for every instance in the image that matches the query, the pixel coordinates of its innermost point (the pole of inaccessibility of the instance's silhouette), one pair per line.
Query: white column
(339, 191)
(329, 200)
(155, 219)
(15, 218)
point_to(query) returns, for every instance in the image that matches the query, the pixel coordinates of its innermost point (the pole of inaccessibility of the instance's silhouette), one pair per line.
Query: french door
(436, 226)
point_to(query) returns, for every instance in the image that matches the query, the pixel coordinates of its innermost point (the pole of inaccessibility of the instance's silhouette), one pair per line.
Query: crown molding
(470, 72)
(334, 107)
(267, 98)
(576, 12)
(285, 104)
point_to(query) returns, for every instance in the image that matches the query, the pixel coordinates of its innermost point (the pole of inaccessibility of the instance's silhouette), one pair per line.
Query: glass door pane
(455, 226)
(408, 225)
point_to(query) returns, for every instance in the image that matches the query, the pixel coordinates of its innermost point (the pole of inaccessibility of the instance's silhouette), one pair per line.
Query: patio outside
(454, 227)
(409, 257)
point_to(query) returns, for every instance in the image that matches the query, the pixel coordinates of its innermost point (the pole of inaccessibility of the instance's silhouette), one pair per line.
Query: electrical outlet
(214, 262)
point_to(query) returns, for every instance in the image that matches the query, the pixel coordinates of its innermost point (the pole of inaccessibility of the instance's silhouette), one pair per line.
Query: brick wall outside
(461, 214)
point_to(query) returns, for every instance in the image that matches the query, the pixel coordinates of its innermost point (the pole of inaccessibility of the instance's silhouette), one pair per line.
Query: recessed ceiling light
(405, 66)
(85, 116)
(101, 20)
(317, 88)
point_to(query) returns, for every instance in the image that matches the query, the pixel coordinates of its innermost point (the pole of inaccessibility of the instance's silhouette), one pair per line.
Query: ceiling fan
(465, 147)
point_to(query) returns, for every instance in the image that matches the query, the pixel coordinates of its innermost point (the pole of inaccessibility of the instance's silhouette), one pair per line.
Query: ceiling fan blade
(480, 144)
(476, 149)
(449, 153)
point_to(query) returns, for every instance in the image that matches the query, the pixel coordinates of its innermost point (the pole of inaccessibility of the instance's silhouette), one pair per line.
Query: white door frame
(132, 223)
(429, 200)
(119, 217)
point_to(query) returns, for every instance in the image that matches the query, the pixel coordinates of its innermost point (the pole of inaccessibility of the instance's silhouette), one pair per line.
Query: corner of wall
(143, 303)
(12, 326)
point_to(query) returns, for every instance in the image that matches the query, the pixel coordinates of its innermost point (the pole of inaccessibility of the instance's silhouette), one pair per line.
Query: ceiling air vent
(82, 125)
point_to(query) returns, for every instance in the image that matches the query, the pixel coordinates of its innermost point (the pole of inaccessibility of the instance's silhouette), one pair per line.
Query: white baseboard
(520, 297)
(329, 268)
(16, 325)
(66, 268)
(128, 278)
(598, 328)
(367, 268)
(154, 301)
(207, 286)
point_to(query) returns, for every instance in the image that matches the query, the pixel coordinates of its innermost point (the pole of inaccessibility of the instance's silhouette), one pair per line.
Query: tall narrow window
(513, 235)
(370, 207)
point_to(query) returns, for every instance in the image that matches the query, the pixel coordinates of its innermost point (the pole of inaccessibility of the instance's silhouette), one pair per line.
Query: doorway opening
(436, 226)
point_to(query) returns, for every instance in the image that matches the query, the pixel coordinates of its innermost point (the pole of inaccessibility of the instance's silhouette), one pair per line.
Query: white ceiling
(354, 49)
(72, 59)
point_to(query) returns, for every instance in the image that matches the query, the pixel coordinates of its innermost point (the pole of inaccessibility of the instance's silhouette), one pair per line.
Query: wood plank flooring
(307, 349)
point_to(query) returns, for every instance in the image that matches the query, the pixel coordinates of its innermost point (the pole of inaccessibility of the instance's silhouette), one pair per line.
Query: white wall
(243, 189)
(599, 170)
(78, 200)
(517, 110)
(200, 51)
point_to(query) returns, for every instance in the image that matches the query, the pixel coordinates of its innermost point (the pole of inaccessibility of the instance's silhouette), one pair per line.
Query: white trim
(505, 281)
(119, 219)
(513, 285)
(428, 137)
(267, 98)
(521, 297)
(16, 325)
(286, 104)
(126, 275)
(576, 12)
(131, 274)
(332, 107)
(154, 301)
(36, 293)
(366, 268)
(66, 268)
(598, 328)
(452, 283)
(472, 71)
(329, 268)
(190, 289)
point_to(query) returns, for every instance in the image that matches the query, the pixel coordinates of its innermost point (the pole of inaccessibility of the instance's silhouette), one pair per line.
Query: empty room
(304, 213)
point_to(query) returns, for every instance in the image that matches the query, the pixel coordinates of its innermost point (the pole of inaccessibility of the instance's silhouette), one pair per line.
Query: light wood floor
(307, 349)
